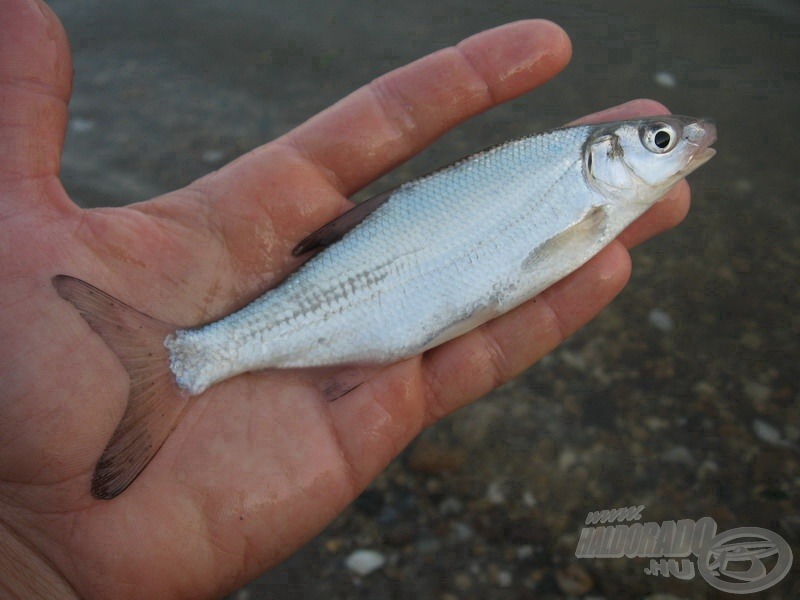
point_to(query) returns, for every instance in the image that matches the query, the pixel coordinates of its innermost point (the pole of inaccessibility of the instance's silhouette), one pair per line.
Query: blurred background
(682, 396)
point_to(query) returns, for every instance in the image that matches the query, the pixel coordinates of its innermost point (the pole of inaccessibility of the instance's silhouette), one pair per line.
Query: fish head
(642, 158)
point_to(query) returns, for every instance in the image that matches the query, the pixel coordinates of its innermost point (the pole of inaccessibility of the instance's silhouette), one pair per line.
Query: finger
(35, 83)
(665, 214)
(362, 136)
(504, 347)
(399, 114)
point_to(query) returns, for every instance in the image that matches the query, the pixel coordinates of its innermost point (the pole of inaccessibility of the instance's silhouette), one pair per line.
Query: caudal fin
(155, 402)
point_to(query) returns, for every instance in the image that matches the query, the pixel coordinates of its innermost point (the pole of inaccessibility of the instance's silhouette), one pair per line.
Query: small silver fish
(403, 272)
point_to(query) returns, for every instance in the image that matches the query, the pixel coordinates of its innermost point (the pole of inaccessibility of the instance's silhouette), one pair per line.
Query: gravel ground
(682, 396)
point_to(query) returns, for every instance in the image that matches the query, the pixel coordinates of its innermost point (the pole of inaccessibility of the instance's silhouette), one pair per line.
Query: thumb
(35, 85)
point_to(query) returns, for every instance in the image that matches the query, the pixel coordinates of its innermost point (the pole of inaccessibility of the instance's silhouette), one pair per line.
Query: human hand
(259, 464)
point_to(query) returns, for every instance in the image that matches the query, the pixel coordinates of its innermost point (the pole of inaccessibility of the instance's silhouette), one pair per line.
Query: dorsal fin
(336, 229)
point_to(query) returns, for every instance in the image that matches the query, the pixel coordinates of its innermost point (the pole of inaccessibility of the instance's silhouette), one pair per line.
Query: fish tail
(155, 402)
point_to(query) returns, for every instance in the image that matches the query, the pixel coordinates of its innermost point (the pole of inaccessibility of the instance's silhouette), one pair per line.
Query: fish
(402, 272)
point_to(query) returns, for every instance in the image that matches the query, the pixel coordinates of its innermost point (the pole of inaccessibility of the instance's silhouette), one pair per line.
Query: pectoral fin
(582, 234)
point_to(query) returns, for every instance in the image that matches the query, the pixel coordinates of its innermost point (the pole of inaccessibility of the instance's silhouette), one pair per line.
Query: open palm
(259, 464)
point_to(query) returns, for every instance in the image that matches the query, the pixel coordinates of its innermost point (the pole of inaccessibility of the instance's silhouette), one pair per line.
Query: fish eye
(658, 137)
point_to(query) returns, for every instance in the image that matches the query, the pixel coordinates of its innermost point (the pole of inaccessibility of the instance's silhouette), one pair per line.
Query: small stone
(655, 423)
(758, 394)
(394, 573)
(429, 546)
(402, 533)
(212, 156)
(433, 459)
(708, 466)
(79, 125)
(767, 432)
(679, 455)
(528, 499)
(495, 493)
(388, 515)
(574, 580)
(363, 562)
(566, 459)
(751, 340)
(704, 389)
(450, 506)
(461, 532)
(333, 545)
(524, 552)
(462, 581)
(501, 578)
(743, 186)
(665, 79)
(660, 320)
(572, 359)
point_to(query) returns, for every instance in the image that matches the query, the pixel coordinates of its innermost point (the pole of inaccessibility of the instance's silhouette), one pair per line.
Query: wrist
(25, 572)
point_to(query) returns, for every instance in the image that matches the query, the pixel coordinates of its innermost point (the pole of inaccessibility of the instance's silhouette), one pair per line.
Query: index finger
(395, 116)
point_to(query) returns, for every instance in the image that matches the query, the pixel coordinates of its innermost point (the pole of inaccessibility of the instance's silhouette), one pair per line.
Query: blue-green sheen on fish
(408, 270)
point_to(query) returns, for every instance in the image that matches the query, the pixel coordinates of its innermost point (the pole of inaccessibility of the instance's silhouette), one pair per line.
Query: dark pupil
(661, 139)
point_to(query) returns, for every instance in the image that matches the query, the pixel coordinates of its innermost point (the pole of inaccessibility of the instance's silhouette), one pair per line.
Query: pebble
(501, 578)
(524, 552)
(495, 493)
(450, 506)
(679, 455)
(665, 79)
(433, 459)
(212, 156)
(751, 340)
(574, 580)
(660, 320)
(758, 394)
(528, 499)
(79, 125)
(402, 533)
(462, 582)
(333, 545)
(571, 359)
(767, 432)
(704, 389)
(363, 562)
(429, 546)
(461, 532)
(566, 459)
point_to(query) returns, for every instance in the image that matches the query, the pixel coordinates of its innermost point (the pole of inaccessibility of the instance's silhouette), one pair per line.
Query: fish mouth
(701, 134)
(702, 157)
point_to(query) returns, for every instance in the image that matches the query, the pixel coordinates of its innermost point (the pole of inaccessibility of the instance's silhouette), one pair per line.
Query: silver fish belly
(449, 251)
(401, 273)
